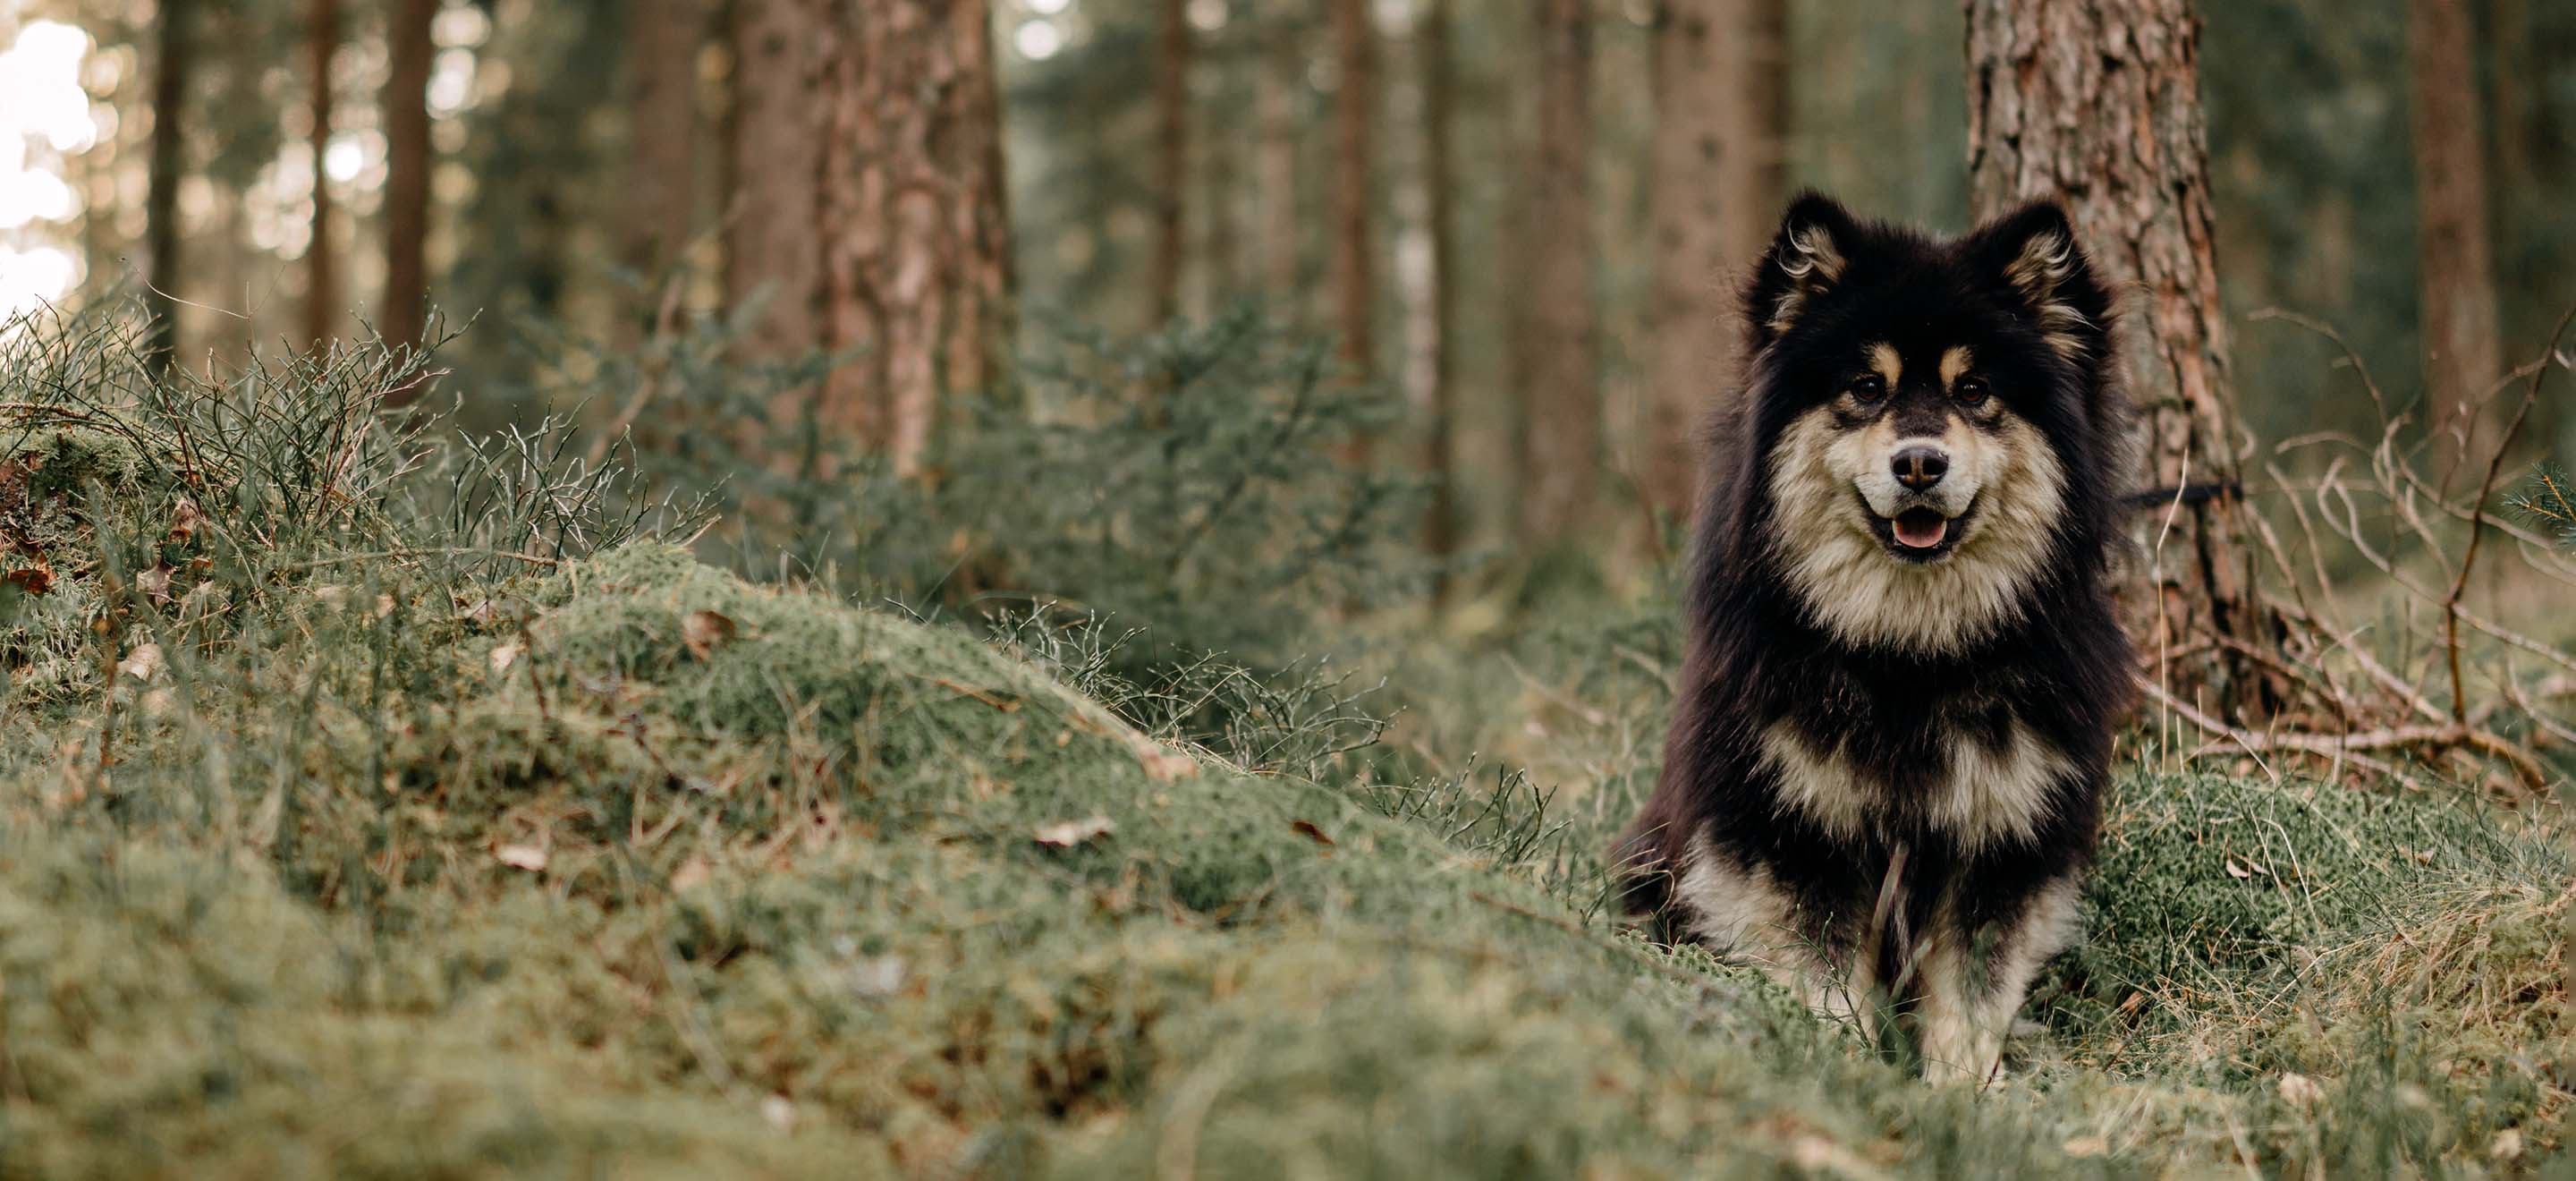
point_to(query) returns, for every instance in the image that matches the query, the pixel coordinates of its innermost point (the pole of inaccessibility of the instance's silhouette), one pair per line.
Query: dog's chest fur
(1970, 775)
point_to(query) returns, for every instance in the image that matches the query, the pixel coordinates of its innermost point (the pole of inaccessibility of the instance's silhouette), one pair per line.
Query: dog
(1883, 778)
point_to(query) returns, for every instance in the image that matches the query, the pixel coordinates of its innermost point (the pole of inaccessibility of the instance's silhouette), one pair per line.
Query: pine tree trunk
(1718, 181)
(916, 271)
(663, 39)
(406, 123)
(1354, 165)
(321, 261)
(1440, 194)
(2097, 103)
(1554, 340)
(774, 167)
(1171, 157)
(170, 77)
(2456, 261)
(1221, 229)
(1280, 90)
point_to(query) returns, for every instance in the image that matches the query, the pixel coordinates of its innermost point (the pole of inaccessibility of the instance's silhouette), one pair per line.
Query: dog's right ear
(1805, 260)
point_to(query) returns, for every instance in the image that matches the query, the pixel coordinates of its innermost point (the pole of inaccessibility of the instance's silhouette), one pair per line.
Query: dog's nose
(1919, 468)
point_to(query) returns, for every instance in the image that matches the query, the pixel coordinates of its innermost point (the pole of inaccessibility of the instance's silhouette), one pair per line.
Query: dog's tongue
(1921, 528)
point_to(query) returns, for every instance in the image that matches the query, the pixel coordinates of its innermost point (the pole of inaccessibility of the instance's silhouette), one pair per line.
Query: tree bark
(1354, 166)
(406, 123)
(1439, 188)
(1555, 338)
(321, 261)
(2456, 261)
(2096, 103)
(1280, 90)
(914, 236)
(663, 39)
(170, 79)
(1719, 179)
(1171, 157)
(776, 155)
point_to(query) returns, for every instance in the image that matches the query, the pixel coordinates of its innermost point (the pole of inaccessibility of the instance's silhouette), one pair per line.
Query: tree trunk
(1440, 193)
(914, 237)
(1280, 93)
(321, 261)
(2096, 103)
(1554, 341)
(1718, 181)
(1171, 157)
(170, 77)
(406, 123)
(663, 39)
(1354, 161)
(2457, 264)
(771, 257)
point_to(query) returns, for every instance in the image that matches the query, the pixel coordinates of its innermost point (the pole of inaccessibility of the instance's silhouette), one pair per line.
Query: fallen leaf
(143, 663)
(877, 975)
(1307, 829)
(154, 583)
(705, 631)
(2507, 1146)
(504, 655)
(2237, 871)
(692, 874)
(1065, 834)
(527, 857)
(34, 580)
(184, 519)
(2087, 1146)
(2300, 1089)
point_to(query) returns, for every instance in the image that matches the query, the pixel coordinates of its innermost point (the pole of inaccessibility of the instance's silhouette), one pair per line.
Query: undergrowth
(377, 799)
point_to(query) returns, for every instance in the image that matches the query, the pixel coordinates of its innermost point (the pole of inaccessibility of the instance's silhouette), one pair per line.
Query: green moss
(640, 868)
(168, 1014)
(2208, 883)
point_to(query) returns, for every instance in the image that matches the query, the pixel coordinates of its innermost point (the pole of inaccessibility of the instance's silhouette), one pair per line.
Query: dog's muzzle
(1918, 512)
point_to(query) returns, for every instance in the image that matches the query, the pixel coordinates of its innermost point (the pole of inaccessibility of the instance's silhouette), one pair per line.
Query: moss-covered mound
(626, 867)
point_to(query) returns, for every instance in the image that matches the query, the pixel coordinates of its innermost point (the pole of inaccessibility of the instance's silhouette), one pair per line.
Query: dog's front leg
(1975, 978)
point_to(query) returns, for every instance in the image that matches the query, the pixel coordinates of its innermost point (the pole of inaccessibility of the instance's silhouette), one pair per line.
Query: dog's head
(1929, 418)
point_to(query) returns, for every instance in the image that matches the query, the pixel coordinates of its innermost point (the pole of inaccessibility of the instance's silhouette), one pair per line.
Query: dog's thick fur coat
(1884, 771)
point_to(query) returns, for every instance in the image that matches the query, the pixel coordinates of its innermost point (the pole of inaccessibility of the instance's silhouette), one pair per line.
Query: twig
(1525, 912)
(2478, 516)
(2385, 738)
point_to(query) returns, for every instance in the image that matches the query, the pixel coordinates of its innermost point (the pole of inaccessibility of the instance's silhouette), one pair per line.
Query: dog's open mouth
(1919, 528)
(1917, 534)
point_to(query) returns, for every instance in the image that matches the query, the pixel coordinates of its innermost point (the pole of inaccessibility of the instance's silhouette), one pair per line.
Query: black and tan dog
(1884, 772)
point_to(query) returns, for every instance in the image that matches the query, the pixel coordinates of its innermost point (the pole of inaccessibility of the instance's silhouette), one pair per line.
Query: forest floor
(343, 839)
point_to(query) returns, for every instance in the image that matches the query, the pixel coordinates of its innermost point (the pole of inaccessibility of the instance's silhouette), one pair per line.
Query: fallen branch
(2451, 734)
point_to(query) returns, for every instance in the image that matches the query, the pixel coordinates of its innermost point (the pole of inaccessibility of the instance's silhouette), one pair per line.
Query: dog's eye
(1972, 391)
(1869, 389)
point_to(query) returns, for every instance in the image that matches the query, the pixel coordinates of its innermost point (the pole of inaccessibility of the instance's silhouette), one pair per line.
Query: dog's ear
(1807, 257)
(2031, 255)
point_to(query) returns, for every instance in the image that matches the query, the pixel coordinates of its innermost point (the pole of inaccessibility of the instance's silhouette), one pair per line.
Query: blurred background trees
(1521, 221)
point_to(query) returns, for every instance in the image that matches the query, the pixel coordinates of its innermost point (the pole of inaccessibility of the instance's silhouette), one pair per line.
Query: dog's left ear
(2031, 254)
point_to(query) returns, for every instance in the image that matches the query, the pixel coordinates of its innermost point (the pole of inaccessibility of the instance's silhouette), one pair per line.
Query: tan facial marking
(1884, 361)
(1954, 365)
(1849, 584)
